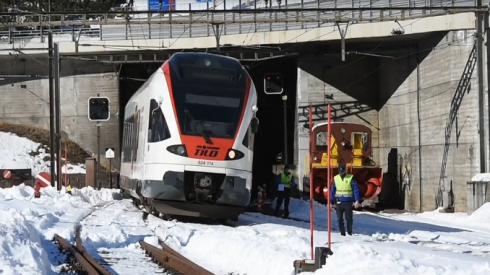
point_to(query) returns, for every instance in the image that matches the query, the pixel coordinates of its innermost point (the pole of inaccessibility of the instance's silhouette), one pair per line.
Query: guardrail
(200, 20)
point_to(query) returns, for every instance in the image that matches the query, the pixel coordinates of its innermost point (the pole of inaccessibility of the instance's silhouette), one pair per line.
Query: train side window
(248, 139)
(365, 142)
(321, 141)
(127, 142)
(360, 140)
(157, 125)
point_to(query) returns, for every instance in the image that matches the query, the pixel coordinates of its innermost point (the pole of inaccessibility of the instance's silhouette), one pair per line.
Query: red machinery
(350, 143)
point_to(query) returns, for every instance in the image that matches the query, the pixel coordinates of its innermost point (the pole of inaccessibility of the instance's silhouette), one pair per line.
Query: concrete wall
(441, 63)
(399, 122)
(25, 100)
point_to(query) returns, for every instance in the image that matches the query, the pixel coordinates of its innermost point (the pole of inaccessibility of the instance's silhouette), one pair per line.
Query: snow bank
(21, 251)
(21, 153)
(55, 212)
(478, 221)
(481, 214)
(383, 258)
(481, 177)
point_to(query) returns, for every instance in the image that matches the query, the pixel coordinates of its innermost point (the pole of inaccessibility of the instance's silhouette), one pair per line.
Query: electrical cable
(190, 24)
(319, 36)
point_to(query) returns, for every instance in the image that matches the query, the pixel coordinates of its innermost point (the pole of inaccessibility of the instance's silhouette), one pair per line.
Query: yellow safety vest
(286, 180)
(343, 186)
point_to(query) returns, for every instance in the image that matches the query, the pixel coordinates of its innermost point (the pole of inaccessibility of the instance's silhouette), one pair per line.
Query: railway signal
(99, 109)
(273, 83)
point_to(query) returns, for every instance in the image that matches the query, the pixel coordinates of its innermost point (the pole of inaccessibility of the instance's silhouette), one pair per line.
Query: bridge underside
(361, 75)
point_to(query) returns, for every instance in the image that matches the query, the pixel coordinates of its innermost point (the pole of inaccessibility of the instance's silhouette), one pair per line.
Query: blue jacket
(278, 181)
(355, 189)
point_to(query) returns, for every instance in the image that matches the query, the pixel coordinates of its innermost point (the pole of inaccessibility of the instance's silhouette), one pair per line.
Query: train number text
(204, 162)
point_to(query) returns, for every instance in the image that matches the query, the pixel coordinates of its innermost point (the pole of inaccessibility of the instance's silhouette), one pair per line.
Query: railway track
(80, 260)
(132, 255)
(173, 261)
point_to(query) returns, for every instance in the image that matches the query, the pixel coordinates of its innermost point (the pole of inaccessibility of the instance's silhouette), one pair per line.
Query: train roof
(337, 122)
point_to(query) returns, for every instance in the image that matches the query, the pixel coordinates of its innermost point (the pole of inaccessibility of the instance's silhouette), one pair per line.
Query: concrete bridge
(406, 72)
(194, 26)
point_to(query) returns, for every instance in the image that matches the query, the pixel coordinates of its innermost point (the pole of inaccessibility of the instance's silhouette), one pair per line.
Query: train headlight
(342, 130)
(180, 150)
(315, 158)
(234, 155)
(342, 143)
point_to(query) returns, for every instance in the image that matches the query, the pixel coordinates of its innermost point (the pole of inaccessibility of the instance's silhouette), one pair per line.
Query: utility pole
(58, 114)
(487, 31)
(285, 106)
(52, 146)
(481, 90)
(97, 181)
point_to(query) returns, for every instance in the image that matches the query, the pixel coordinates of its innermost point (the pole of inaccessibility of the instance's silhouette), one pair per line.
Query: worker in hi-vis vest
(285, 182)
(345, 195)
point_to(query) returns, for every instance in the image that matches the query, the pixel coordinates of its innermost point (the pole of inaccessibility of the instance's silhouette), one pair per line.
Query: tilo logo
(203, 151)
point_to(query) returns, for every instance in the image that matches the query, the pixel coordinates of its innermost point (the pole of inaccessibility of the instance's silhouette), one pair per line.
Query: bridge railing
(201, 19)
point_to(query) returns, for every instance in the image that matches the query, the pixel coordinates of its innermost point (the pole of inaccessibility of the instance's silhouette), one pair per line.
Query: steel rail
(86, 263)
(169, 258)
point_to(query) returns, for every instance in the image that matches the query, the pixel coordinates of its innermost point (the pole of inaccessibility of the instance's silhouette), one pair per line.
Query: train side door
(134, 142)
(142, 136)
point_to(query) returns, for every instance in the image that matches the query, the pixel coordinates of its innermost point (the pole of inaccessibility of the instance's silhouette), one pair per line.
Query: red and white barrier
(42, 180)
(7, 174)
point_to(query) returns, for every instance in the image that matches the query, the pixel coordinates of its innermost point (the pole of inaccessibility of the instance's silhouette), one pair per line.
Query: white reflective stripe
(44, 180)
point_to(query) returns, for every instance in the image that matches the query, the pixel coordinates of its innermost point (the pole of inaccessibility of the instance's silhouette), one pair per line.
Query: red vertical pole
(329, 175)
(66, 164)
(312, 214)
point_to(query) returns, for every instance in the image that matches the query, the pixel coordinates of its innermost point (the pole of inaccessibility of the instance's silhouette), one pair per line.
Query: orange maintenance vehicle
(351, 144)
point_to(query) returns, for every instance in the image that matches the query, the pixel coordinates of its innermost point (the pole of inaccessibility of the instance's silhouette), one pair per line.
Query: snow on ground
(396, 244)
(27, 225)
(22, 153)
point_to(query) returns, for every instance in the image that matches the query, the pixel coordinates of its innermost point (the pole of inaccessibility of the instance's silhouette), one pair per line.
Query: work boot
(342, 233)
(350, 233)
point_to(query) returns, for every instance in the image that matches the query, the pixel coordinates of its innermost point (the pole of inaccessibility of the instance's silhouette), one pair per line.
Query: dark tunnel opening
(269, 141)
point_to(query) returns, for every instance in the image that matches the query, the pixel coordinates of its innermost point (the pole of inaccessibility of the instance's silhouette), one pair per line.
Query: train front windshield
(209, 93)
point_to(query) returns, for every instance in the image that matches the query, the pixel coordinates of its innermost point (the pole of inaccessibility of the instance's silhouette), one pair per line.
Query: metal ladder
(462, 88)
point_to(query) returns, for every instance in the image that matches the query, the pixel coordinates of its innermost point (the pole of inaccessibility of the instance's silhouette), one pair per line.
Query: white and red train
(188, 138)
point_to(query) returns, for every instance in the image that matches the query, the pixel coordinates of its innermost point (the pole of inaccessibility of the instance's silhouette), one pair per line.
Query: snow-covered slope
(21, 153)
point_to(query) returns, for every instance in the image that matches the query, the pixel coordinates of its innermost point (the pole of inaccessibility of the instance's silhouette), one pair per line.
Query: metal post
(481, 95)
(110, 173)
(56, 62)
(285, 106)
(419, 137)
(97, 181)
(487, 31)
(329, 174)
(310, 151)
(52, 147)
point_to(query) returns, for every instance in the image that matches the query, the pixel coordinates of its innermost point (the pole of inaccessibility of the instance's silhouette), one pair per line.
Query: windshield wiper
(204, 131)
